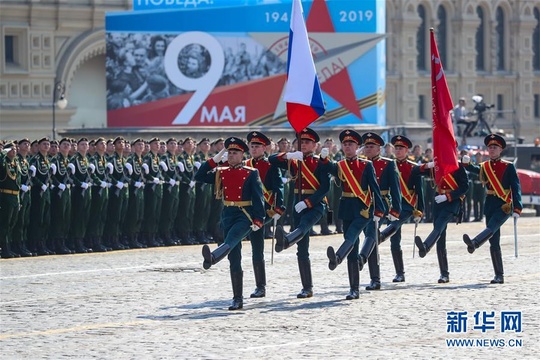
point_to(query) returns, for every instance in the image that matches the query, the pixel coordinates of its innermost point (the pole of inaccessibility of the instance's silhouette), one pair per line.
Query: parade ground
(159, 303)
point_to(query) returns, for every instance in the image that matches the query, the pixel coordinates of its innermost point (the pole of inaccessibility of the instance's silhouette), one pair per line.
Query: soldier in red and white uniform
(502, 201)
(240, 188)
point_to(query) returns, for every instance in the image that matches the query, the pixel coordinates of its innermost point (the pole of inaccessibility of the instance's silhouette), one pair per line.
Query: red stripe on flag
(303, 115)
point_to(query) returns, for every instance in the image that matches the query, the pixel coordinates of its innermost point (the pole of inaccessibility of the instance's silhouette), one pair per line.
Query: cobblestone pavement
(160, 303)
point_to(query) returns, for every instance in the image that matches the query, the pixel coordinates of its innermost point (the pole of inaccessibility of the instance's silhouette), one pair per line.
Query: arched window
(536, 41)
(480, 65)
(421, 39)
(499, 39)
(441, 35)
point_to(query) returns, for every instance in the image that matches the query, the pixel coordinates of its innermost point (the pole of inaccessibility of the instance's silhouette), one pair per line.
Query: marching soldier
(171, 183)
(272, 188)
(10, 185)
(20, 233)
(118, 196)
(387, 177)
(502, 201)
(240, 188)
(135, 210)
(447, 205)
(312, 188)
(81, 196)
(153, 192)
(412, 202)
(100, 197)
(40, 167)
(360, 190)
(61, 199)
(479, 192)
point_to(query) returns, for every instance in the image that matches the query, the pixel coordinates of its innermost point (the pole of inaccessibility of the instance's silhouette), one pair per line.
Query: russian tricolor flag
(303, 91)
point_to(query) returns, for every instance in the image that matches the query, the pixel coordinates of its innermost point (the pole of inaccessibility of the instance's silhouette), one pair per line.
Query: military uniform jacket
(10, 175)
(154, 171)
(118, 173)
(271, 180)
(363, 172)
(43, 166)
(136, 162)
(313, 189)
(189, 168)
(25, 167)
(62, 175)
(82, 171)
(235, 184)
(410, 180)
(172, 172)
(505, 175)
(100, 162)
(388, 179)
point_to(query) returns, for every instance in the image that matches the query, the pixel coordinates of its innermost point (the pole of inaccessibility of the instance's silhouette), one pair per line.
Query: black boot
(96, 244)
(388, 232)
(496, 259)
(115, 244)
(336, 258)
(374, 272)
(367, 249)
(6, 251)
(425, 247)
(212, 258)
(284, 240)
(305, 276)
(237, 279)
(354, 280)
(260, 279)
(20, 249)
(443, 266)
(397, 256)
(79, 247)
(41, 248)
(133, 243)
(478, 241)
(325, 230)
(59, 247)
(339, 226)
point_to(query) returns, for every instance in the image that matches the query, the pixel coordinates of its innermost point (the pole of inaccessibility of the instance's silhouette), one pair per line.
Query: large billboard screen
(225, 65)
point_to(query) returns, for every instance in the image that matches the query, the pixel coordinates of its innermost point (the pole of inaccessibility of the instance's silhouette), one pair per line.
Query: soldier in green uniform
(61, 199)
(171, 178)
(203, 196)
(81, 196)
(118, 196)
(135, 211)
(10, 185)
(213, 230)
(100, 198)
(153, 192)
(186, 201)
(40, 166)
(20, 232)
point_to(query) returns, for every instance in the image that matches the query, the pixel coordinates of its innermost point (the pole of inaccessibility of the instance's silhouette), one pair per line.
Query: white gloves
(172, 182)
(62, 186)
(53, 168)
(24, 188)
(324, 153)
(155, 180)
(138, 184)
(440, 198)
(391, 217)
(300, 206)
(417, 219)
(217, 158)
(129, 168)
(197, 164)
(110, 168)
(225, 157)
(71, 167)
(146, 168)
(163, 166)
(103, 184)
(515, 215)
(84, 185)
(33, 170)
(276, 216)
(359, 151)
(181, 167)
(92, 168)
(376, 218)
(465, 159)
(430, 165)
(44, 187)
(120, 185)
(254, 227)
(109, 184)
(191, 183)
(284, 180)
(296, 155)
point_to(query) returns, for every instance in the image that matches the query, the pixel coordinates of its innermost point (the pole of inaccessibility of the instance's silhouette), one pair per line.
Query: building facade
(489, 47)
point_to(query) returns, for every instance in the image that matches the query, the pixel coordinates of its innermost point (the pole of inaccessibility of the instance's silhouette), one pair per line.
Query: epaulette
(411, 162)
(249, 168)
(385, 159)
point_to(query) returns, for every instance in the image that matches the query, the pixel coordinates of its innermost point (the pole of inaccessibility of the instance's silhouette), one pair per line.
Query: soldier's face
(154, 146)
(119, 146)
(283, 146)
(401, 152)
(219, 146)
(171, 147)
(138, 147)
(100, 147)
(24, 147)
(82, 147)
(235, 157)
(44, 147)
(256, 150)
(53, 150)
(494, 151)
(372, 150)
(308, 146)
(349, 148)
(64, 147)
(110, 147)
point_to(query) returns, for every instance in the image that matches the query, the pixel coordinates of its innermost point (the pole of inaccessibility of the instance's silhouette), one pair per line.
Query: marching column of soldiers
(94, 196)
